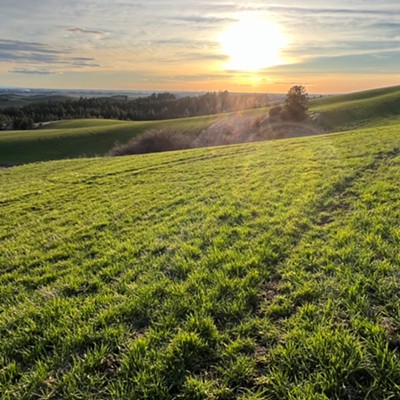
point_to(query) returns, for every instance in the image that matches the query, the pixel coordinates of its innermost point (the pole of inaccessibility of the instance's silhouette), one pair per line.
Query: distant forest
(155, 107)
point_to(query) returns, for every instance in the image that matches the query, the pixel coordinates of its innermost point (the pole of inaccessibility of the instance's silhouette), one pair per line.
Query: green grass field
(260, 271)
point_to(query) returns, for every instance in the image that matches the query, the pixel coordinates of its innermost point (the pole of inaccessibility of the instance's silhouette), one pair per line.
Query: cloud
(34, 71)
(84, 62)
(203, 20)
(21, 46)
(82, 30)
(328, 11)
(40, 53)
(15, 50)
(374, 63)
(292, 83)
(387, 29)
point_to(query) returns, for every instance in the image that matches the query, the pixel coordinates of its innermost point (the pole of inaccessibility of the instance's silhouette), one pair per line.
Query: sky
(202, 45)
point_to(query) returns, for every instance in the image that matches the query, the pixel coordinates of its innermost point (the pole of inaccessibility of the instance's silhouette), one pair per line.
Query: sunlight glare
(253, 44)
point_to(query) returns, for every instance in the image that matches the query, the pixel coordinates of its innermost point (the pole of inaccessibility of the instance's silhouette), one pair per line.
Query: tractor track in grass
(326, 213)
(155, 167)
(284, 307)
(97, 179)
(330, 285)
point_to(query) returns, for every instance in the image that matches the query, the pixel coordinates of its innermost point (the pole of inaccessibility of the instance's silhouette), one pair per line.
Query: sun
(253, 44)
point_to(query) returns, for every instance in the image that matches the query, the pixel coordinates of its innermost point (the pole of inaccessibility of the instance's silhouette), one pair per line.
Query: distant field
(18, 100)
(261, 271)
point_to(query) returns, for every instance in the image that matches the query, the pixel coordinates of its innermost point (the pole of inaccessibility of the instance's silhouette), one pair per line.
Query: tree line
(154, 107)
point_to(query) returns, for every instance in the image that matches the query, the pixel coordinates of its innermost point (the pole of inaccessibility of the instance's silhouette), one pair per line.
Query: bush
(154, 141)
(275, 112)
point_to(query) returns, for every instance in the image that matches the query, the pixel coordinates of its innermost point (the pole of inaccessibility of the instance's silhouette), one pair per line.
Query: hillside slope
(87, 137)
(260, 271)
(358, 109)
(80, 138)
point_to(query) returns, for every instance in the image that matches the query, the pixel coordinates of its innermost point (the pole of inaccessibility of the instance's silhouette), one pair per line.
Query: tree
(296, 104)
(23, 123)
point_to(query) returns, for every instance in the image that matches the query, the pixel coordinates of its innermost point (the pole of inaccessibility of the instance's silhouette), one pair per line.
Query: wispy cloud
(34, 71)
(15, 50)
(40, 54)
(204, 20)
(21, 46)
(86, 31)
(329, 10)
(84, 62)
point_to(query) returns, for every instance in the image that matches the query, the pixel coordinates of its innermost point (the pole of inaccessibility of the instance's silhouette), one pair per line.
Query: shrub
(275, 112)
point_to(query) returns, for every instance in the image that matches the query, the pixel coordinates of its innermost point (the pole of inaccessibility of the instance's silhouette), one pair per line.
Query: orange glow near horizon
(332, 84)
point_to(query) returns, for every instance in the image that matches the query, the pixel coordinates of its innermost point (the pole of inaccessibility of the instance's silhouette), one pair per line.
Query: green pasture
(261, 271)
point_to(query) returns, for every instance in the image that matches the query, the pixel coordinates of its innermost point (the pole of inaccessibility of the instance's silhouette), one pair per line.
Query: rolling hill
(89, 138)
(357, 109)
(260, 271)
(86, 137)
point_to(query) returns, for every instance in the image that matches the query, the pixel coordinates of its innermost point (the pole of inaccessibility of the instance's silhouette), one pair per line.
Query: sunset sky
(242, 46)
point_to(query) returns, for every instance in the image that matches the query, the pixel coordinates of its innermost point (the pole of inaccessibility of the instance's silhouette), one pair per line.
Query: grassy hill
(361, 108)
(259, 271)
(87, 137)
